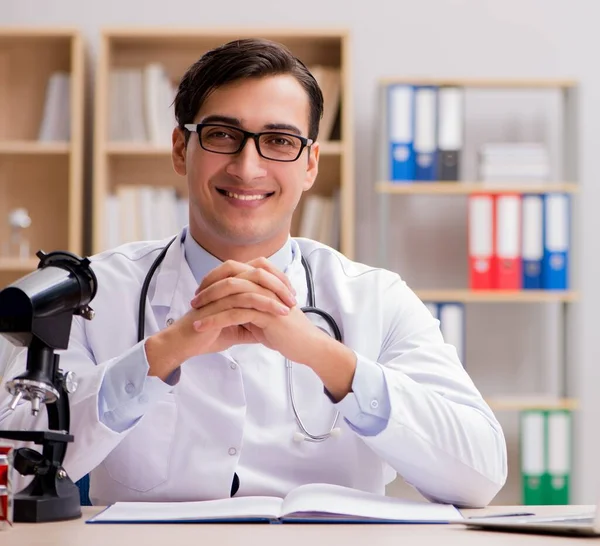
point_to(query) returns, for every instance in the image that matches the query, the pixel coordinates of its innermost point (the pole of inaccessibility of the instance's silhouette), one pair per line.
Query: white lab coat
(231, 412)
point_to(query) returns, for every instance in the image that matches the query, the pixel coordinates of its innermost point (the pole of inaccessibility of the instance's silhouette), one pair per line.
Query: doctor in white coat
(200, 407)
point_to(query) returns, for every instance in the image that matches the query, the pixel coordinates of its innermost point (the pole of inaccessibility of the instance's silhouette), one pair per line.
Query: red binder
(507, 261)
(481, 241)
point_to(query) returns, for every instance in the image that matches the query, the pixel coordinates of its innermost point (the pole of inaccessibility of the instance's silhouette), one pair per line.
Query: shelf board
(37, 32)
(519, 403)
(465, 188)
(490, 83)
(146, 149)
(194, 34)
(33, 147)
(499, 296)
(18, 264)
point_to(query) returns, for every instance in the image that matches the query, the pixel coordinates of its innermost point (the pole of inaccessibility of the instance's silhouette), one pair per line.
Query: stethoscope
(303, 433)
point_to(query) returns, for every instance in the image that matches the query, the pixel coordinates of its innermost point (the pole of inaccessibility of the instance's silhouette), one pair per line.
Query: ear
(312, 169)
(178, 151)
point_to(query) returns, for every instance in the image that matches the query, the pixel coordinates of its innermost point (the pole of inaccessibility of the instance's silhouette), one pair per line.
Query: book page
(239, 508)
(320, 501)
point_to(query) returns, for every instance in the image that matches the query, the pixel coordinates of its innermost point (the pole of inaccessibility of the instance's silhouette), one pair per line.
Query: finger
(263, 263)
(230, 268)
(259, 302)
(222, 289)
(246, 300)
(231, 317)
(271, 282)
(249, 281)
(230, 287)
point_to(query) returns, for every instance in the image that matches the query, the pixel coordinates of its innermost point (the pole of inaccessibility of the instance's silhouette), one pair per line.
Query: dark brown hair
(247, 58)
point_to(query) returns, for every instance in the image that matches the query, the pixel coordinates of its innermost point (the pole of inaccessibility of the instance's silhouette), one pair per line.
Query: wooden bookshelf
(498, 296)
(118, 163)
(522, 403)
(43, 174)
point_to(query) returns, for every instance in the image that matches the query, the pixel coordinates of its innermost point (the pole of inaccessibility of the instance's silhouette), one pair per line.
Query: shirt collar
(201, 262)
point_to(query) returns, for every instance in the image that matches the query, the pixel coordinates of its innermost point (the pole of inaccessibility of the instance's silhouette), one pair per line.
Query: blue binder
(452, 324)
(400, 122)
(425, 136)
(555, 266)
(533, 240)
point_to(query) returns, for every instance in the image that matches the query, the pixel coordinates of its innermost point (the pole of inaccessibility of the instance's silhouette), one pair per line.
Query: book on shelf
(513, 162)
(141, 105)
(320, 218)
(423, 132)
(519, 241)
(310, 503)
(329, 80)
(55, 125)
(142, 213)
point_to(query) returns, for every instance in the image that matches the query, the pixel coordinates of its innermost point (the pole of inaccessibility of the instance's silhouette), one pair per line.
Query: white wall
(454, 38)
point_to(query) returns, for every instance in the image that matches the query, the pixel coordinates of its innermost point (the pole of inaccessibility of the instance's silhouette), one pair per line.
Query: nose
(247, 164)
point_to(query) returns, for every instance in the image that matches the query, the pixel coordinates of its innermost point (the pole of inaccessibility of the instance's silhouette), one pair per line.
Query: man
(200, 407)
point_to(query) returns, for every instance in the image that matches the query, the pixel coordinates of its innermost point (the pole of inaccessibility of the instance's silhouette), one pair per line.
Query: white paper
(316, 499)
(239, 507)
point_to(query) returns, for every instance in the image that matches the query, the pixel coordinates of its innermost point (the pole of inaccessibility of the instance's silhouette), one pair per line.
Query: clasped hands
(251, 302)
(254, 302)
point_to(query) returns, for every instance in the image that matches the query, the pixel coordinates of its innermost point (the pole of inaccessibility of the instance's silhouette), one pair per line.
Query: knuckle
(231, 282)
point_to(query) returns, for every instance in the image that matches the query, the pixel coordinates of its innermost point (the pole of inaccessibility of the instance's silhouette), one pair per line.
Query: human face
(241, 205)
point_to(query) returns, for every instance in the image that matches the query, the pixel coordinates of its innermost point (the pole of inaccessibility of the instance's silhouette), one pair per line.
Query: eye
(219, 134)
(280, 140)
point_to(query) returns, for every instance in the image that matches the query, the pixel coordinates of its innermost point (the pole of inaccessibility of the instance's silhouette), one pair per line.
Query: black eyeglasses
(224, 139)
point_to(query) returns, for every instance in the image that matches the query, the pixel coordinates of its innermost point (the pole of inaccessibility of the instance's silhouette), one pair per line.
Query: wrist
(334, 363)
(161, 355)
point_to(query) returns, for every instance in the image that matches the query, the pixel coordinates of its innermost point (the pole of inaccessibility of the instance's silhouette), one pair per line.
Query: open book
(311, 503)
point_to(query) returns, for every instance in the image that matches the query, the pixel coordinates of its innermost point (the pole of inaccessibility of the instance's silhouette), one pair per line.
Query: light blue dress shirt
(127, 390)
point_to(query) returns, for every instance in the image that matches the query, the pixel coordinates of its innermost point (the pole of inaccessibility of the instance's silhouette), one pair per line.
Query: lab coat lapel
(175, 283)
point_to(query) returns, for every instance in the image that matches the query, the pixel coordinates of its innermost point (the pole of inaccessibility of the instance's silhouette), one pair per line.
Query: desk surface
(77, 533)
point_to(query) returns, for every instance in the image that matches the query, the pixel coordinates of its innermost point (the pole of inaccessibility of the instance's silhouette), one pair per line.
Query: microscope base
(29, 508)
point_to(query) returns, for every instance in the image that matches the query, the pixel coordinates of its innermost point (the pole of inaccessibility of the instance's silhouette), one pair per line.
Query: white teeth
(245, 197)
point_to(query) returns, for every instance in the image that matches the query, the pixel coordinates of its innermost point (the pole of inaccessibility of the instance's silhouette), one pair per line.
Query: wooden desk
(78, 533)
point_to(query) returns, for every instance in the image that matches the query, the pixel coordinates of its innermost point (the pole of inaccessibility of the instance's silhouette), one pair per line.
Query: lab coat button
(170, 321)
(374, 404)
(232, 451)
(129, 387)
(233, 365)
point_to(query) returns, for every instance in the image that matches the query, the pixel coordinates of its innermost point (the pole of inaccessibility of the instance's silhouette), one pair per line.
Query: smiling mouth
(245, 197)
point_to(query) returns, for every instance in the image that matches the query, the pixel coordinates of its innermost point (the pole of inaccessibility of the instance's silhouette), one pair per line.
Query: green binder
(559, 431)
(533, 456)
(545, 450)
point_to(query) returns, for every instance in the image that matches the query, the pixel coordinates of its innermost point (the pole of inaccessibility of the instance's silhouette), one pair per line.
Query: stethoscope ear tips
(336, 432)
(298, 437)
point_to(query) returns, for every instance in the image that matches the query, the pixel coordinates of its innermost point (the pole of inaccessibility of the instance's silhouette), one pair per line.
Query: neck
(224, 250)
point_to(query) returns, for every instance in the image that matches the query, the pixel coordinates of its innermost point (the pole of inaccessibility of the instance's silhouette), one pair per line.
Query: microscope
(37, 312)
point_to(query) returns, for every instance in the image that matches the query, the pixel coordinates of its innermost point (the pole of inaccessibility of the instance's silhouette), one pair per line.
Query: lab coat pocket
(142, 460)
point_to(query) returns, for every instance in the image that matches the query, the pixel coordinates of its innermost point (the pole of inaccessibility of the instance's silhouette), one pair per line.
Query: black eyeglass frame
(197, 128)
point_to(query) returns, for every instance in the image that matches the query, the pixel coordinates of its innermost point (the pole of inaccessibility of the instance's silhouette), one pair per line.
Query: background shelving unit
(560, 397)
(119, 164)
(40, 170)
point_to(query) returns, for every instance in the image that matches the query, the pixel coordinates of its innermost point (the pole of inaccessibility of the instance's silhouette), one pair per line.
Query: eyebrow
(235, 122)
